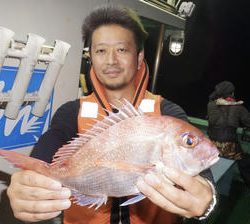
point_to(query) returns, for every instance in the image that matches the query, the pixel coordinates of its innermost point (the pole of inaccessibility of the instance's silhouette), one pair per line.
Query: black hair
(108, 15)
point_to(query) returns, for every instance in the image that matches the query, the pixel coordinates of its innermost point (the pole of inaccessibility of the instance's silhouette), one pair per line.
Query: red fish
(107, 160)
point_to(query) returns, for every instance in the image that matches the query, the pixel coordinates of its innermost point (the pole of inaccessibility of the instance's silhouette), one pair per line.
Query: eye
(189, 140)
(100, 51)
(121, 50)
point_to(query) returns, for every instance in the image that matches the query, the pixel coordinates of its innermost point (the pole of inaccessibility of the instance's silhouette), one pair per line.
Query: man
(115, 37)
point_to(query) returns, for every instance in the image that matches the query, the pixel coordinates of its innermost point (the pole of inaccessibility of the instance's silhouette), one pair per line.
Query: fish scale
(107, 160)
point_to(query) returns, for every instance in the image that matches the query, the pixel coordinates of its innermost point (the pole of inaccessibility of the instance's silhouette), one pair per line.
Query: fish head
(188, 149)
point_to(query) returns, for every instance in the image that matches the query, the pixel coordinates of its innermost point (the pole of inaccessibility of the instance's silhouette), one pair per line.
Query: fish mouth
(213, 159)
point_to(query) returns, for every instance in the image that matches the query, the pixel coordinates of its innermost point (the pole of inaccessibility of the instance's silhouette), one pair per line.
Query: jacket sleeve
(62, 129)
(172, 109)
(245, 117)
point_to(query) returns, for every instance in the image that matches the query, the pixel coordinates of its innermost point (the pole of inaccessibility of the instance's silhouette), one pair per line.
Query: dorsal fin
(125, 111)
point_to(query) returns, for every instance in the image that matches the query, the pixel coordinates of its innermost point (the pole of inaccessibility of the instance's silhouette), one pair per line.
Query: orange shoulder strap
(156, 101)
(90, 111)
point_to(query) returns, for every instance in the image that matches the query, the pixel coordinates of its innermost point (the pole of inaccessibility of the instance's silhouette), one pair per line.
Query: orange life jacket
(143, 212)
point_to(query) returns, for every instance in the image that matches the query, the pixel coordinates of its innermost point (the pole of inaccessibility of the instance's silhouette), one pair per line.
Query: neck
(115, 96)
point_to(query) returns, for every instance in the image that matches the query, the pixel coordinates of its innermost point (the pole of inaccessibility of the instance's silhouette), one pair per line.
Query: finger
(176, 196)
(34, 179)
(36, 193)
(157, 198)
(202, 180)
(196, 194)
(36, 217)
(46, 206)
(187, 182)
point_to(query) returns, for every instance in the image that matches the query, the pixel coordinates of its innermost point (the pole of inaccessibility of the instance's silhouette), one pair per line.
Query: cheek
(97, 65)
(129, 60)
(96, 61)
(130, 68)
(168, 154)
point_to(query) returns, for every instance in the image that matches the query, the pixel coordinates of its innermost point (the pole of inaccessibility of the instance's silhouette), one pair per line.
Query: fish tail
(25, 162)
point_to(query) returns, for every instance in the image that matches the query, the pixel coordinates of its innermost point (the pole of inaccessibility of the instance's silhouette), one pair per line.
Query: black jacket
(223, 121)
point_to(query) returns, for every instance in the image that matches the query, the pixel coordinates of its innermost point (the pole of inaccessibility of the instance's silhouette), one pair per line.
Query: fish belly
(104, 181)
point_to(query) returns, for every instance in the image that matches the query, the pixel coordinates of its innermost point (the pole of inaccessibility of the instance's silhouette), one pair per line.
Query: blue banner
(27, 128)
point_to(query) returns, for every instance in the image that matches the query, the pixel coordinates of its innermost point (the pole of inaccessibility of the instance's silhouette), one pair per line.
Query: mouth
(112, 72)
(213, 159)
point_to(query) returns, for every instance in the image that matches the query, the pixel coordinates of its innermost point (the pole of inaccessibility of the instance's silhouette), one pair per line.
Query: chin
(115, 86)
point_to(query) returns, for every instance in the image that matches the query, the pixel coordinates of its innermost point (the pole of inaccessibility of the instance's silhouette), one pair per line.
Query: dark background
(216, 48)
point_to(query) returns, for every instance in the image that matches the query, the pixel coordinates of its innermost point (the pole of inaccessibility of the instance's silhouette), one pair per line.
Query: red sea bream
(107, 160)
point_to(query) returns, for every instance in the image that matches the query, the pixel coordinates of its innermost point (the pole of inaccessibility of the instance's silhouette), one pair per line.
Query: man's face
(114, 56)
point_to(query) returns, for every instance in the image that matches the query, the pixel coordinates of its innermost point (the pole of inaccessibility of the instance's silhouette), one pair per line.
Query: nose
(112, 57)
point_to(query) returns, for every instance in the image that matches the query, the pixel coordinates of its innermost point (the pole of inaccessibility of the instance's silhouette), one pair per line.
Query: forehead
(112, 34)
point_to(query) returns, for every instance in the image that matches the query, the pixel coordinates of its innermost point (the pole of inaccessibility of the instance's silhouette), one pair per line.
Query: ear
(140, 59)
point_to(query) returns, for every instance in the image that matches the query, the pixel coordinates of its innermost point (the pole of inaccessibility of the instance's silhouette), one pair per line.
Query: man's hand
(188, 196)
(34, 197)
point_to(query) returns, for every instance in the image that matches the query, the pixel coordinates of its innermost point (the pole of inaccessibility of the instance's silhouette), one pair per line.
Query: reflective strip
(89, 109)
(147, 105)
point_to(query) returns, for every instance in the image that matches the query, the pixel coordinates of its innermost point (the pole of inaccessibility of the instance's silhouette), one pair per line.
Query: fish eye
(189, 140)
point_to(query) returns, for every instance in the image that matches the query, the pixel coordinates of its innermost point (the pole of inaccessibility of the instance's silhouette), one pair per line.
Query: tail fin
(25, 162)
